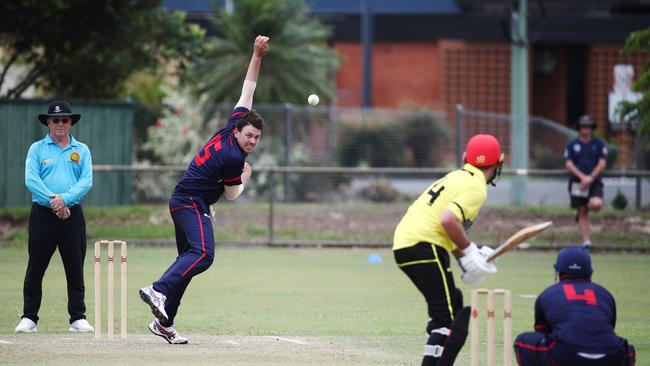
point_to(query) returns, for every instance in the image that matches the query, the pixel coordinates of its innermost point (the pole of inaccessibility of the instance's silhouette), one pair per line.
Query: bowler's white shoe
(156, 302)
(169, 333)
(26, 325)
(81, 325)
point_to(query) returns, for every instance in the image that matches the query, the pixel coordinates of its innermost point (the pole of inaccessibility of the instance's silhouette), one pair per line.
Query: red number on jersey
(216, 142)
(570, 292)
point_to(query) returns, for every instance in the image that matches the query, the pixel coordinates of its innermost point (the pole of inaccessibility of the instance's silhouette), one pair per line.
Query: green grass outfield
(350, 222)
(289, 307)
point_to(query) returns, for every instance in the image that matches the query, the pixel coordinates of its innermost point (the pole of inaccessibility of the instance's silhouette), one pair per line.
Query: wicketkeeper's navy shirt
(579, 313)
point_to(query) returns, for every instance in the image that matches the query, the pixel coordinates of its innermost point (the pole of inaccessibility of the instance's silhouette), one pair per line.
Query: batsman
(437, 224)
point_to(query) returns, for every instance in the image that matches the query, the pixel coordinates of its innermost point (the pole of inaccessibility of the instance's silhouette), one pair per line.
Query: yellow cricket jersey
(462, 191)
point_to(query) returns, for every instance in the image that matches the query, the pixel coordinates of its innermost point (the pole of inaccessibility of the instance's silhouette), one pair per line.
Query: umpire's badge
(74, 157)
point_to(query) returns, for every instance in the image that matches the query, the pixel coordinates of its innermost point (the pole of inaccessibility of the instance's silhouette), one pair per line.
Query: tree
(87, 49)
(639, 41)
(299, 63)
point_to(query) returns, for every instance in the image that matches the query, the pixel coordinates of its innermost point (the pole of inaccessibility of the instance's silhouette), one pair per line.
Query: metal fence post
(331, 133)
(271, 202)
(288, 138)
(637, 163)
(459, 135)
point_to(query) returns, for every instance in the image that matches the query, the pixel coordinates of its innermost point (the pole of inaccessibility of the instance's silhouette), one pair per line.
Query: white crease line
(527, 296)
(232, 342)
(287, 340)
(5, 342)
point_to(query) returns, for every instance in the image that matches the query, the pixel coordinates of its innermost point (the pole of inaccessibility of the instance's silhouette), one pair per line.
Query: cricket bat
(518, 237)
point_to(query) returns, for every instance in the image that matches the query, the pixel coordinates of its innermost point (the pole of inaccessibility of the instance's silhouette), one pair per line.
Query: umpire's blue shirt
(49, 169)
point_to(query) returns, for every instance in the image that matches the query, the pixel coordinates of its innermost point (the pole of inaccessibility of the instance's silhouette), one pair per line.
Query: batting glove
(472, 279)
(474, 264)
(485, 251)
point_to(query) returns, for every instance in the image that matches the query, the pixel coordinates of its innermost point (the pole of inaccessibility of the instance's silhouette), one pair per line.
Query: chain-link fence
(547, 140)
(336, 176)
(329, 137)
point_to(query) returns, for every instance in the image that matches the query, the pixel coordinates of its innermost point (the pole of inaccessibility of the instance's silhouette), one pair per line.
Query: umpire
(58, 173)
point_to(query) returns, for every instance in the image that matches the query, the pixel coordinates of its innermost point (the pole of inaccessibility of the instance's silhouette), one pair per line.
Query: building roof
(578, 21)
(336, 6)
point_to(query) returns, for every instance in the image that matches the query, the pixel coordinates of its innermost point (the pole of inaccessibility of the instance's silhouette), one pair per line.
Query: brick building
(440, 53)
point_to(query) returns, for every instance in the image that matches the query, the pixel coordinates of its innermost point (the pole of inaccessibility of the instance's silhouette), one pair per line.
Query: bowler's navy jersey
(585, 156)
(580, 314)
(219, 163)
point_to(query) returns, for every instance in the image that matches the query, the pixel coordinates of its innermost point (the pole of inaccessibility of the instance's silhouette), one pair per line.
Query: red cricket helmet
(483, 151)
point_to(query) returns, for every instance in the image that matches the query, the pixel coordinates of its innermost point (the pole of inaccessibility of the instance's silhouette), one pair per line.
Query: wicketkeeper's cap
(574, 261)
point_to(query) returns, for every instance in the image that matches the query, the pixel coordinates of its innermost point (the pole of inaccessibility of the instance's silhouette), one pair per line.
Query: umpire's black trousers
(46, 233)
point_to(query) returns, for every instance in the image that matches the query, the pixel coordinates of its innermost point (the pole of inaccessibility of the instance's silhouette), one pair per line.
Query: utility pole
(519, 104)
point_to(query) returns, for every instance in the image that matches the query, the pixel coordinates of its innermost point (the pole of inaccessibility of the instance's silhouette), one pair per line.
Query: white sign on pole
(622, 91)
(623, 76)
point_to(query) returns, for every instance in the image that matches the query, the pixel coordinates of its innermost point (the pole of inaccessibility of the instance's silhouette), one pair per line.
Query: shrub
(390, 139)
(374, 146)
(620, 200)
(423, 132)
(379, 191)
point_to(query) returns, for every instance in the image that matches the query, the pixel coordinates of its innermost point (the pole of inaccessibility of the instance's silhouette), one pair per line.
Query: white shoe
(169, 333)
(26, 325)
(81, 325)
(156, 301)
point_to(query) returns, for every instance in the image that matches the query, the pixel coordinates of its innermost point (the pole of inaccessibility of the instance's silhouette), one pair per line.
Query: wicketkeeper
(574, 320)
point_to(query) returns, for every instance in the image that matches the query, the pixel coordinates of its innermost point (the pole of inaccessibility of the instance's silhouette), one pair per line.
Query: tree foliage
(87, 49)
(298, 64)
(640, 42)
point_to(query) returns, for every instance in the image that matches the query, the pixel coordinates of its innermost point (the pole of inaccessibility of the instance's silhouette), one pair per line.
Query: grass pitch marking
(5, 342)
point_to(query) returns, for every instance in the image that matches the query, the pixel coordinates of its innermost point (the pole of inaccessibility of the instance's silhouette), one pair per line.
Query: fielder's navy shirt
(585, 156)
(219, 163)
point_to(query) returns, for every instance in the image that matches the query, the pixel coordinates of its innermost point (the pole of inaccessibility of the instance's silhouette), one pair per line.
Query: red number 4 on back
(570, 292)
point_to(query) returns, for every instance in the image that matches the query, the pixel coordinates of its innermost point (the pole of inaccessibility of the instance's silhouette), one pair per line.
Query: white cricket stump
(111, 288)
(490, 326)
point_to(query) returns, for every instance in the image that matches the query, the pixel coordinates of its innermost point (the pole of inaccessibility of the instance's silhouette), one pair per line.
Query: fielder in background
(574, 320)
(585, 158)
(436, 224)
(58, 173)
(220, 167)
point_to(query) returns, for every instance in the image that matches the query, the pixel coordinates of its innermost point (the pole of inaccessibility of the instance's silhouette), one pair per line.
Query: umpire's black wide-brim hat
(59, 108)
